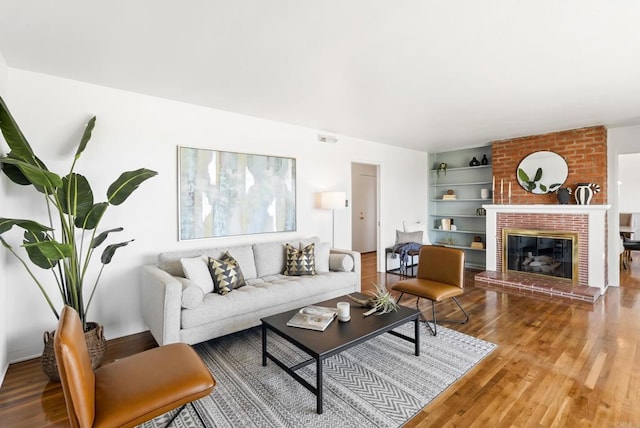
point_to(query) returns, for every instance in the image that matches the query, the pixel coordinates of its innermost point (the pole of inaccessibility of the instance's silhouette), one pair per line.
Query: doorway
(364, 209)
(629, 209)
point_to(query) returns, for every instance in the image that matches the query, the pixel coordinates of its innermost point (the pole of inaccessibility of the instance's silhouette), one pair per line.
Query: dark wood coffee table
(338, 337)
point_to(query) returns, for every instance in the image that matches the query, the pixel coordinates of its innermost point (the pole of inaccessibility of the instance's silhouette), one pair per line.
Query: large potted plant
(67, 243)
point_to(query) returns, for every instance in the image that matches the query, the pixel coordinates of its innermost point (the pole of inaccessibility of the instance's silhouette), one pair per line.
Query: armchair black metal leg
(462, 321)
(175, 416)
(466, 315)
(426, 321)
(195, 409)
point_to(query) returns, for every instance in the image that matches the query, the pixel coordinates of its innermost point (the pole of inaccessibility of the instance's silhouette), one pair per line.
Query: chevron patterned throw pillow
(300, 262)
(224, 274)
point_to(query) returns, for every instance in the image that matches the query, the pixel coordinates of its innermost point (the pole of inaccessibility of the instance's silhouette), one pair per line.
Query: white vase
(584, 193)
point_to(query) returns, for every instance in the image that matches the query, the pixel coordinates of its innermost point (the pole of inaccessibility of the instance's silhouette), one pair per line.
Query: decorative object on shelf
(484, 193)
(477, 238)
(449, 195)
(445, 224)
(380, 300)
(481, 211)
(66, 245)
(474, 162)
(484, 160)
(542, 172)
(477, 245)
(454, 227)
(564, 194)
(442, 167)
(585, 191)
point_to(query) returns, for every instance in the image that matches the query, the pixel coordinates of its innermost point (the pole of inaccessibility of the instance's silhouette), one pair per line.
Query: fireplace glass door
(539, 252)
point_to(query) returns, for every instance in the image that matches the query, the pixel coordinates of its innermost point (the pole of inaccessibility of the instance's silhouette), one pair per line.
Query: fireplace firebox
(541, 252)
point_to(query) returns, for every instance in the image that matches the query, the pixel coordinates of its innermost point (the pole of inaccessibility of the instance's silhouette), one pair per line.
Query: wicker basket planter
(96, 345)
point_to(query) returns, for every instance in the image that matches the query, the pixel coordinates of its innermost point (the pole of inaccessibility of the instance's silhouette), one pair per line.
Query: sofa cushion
(300, 261)
(196, 270)
(340, 263)
(262, 293)
(192, 295)
(322, 251)
(243, 254)
(224, 274)
(270, 257)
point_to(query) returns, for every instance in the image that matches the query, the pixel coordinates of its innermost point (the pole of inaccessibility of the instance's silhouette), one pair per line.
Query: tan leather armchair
(440, 277)
(128, 391)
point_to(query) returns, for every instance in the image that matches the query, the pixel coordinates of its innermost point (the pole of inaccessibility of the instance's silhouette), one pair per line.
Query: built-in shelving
(466, 183)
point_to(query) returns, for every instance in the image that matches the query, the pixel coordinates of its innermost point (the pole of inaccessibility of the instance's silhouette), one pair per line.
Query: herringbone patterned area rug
(378, 383)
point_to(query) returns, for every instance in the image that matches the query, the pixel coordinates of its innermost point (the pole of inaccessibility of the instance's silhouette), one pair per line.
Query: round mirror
(542, 172)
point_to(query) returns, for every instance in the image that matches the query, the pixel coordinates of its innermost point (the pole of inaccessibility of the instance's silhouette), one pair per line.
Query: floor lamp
(332, 201)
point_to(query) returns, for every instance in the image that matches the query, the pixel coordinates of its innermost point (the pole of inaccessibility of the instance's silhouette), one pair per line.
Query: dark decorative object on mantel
(474, 162)
(585, 191)
(484, 160)
(564, 194)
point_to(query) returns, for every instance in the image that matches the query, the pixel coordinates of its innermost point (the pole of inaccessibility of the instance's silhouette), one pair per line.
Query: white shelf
(462, 247)
(459, 200)
(476, 183)
(462, 168)
(473, 232)
(457, 215)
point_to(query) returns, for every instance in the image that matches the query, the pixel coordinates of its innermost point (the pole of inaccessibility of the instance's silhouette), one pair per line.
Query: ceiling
(421, 74)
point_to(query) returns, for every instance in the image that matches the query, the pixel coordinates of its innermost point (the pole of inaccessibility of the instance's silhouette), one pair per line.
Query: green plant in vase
(66, 245)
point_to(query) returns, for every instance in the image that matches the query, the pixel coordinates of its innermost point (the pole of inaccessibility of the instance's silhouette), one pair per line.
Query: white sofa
(170, 319)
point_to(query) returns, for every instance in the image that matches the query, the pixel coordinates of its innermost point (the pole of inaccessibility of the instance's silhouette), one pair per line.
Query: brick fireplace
(585, 151)
(589, 221)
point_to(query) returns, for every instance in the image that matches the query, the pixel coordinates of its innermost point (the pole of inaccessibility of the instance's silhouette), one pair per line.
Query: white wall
(629, 177)
(3, 254)
(133, 131)
(619, 141)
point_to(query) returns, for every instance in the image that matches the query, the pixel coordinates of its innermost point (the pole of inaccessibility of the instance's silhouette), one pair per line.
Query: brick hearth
(538, 285)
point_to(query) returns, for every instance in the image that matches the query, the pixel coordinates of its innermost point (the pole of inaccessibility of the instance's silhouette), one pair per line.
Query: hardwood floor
(557, 363)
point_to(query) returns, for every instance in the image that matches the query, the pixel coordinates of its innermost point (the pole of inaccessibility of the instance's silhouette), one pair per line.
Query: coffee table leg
(264, 345)
(319, 385)
(417, 336)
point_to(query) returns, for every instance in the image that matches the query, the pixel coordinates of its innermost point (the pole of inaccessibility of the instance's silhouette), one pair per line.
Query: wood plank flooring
(557, 363)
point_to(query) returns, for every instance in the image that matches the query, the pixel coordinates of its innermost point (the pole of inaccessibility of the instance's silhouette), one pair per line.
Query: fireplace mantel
(595, 242)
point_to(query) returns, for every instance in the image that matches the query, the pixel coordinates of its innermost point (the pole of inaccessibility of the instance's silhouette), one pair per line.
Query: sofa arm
(161, 304)
(357, 264)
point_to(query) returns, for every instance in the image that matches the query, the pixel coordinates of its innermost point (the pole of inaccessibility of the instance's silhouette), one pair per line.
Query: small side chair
(440, 277)
(128, 391)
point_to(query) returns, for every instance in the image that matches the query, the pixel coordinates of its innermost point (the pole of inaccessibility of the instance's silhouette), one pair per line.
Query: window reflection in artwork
(226, 193)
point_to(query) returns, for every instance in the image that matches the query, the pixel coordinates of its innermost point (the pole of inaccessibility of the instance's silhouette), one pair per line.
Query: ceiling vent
(325, 138)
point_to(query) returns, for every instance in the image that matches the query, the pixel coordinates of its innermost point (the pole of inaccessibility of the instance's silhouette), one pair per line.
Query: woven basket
(96, 345)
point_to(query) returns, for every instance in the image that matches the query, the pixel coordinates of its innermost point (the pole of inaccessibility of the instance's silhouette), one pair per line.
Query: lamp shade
(332, 200)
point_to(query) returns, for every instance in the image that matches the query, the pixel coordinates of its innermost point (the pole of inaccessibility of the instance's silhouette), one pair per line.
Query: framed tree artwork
(225, 193)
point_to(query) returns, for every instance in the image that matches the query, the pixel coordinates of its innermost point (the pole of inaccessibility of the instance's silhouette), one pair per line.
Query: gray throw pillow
(406, 237)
